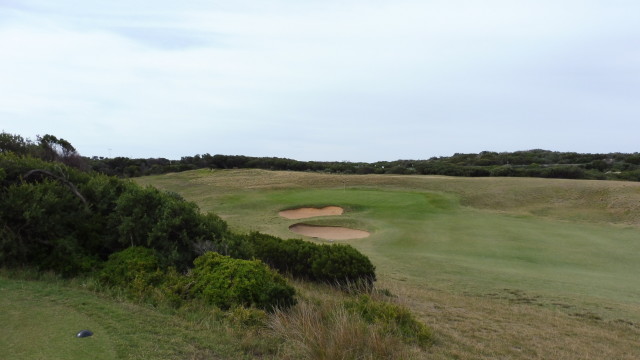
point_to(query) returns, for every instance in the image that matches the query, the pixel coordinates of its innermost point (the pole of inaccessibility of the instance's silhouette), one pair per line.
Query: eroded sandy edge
(307, 212)
(328, 232)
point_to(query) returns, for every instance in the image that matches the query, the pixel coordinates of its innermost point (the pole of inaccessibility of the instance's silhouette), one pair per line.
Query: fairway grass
(40, 320)
(33, 329)
(502, 267)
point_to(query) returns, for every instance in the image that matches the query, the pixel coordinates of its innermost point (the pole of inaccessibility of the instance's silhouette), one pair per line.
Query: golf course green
(421, 233)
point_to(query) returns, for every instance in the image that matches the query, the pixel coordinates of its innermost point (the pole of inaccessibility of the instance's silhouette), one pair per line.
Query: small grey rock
(84, 333)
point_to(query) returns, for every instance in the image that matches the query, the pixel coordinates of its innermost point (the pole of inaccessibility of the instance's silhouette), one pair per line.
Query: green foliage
(343, 264)
(535, 163)
(167, 223)
(174, 288)
(43, 226)
(247, 317)
(14, 143)
(132, 267)
(44, 223)
(293, 256)
(226, 282)
(336, 263)
(137, 271)
(394, 318)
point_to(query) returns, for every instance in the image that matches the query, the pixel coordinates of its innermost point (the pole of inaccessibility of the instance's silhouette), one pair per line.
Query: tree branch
(66, 182)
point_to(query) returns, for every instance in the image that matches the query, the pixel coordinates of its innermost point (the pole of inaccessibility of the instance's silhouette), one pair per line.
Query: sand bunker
(303, 213)
(328, 232)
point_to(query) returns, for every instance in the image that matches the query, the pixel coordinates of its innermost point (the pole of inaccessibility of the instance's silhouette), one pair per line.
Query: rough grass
(41, 317)
(498, 267)
(322, 331)
(331, 324)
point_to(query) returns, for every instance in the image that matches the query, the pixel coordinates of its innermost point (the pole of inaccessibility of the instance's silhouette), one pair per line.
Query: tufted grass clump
(321, 330)
(393, 318)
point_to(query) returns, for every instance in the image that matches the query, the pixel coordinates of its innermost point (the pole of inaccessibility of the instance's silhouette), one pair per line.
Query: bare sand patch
(328, 232)
(307, 212)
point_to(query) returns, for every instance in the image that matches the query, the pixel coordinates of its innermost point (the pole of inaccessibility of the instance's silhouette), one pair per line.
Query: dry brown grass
(320, 327)
(475, 327)
(327, 332)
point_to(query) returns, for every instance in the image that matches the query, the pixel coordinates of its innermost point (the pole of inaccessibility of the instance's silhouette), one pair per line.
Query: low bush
(292, 256)
(342, 264)
(136, 269)
(227, 282)
(336, 264)
(247, 317)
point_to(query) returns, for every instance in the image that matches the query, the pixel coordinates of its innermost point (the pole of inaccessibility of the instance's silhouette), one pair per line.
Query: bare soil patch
(328, 232)
(307, 212)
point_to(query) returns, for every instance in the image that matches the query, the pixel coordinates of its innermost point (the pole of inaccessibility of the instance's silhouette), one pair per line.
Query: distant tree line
(530, 163)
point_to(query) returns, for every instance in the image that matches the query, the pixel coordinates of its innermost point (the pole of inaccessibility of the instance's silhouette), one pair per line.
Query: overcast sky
(322, 80)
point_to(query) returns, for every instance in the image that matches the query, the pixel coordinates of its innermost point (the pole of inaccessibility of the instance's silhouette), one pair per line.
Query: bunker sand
(307, 212)
(328, 232)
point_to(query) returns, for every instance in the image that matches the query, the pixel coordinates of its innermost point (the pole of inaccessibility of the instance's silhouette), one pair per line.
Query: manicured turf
(40, 320)
(36, 329)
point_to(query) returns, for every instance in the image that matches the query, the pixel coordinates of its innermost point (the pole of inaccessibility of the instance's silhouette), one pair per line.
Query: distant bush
(564, 172)
(630, 176)
(226, 282)
(326, 263)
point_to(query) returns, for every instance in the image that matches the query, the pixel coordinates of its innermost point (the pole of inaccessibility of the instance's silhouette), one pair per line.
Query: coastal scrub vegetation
(59, 216)
(529, 163)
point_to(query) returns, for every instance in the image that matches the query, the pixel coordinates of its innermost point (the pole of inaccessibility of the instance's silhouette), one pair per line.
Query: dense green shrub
(342, 264)
(65, 220)
(174, 288)
(335, 263)
(43, 226)
(227, 282)
(133, 267)
(167, 223)
(293, 256)
(394, 318)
